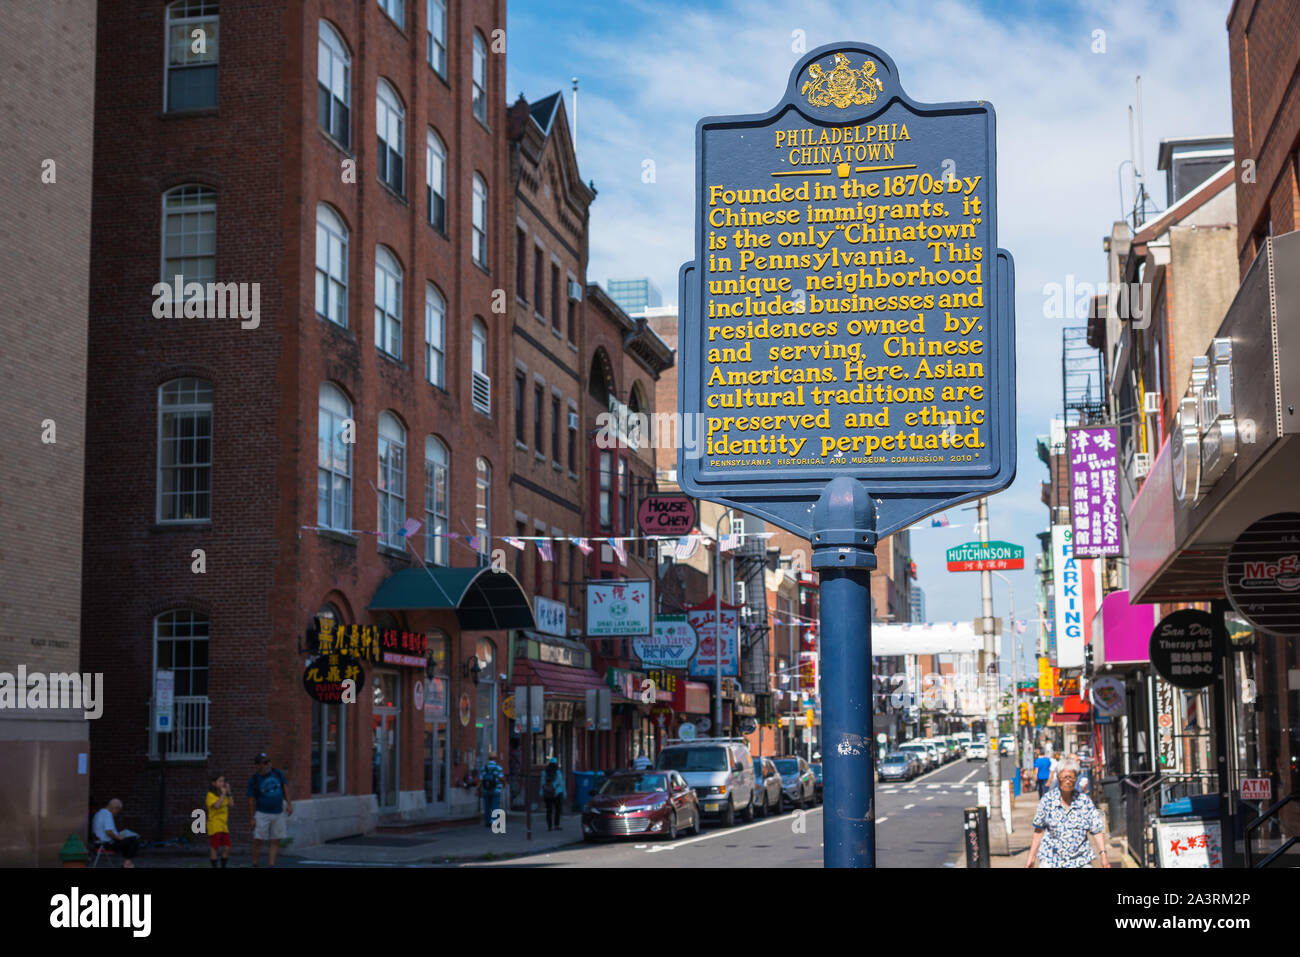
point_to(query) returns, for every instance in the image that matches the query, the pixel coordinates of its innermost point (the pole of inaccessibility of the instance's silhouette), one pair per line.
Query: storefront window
(385, 743)
(485, 719)
(436, 769)
(328, 737)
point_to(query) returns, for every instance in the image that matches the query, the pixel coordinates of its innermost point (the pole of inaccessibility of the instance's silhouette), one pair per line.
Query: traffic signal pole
(844, 552)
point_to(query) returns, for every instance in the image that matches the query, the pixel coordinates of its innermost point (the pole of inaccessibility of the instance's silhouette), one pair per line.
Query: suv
(721, 770)
(921, 751)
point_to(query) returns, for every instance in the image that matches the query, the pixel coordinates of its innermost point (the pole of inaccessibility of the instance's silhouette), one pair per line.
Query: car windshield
(787, 765)
(896, 757)
(635, 784)
(693, 759)
(913, 747)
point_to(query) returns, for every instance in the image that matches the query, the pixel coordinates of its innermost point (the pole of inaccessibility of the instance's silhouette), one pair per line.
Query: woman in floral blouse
(1064, 822)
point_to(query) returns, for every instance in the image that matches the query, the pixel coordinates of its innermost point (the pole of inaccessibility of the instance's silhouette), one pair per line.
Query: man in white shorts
(268, 808)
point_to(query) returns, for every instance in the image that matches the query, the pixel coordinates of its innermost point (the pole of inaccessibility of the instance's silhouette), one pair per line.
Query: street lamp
(717, 632)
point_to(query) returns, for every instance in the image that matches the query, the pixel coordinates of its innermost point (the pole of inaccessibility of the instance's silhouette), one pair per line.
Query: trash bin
(583, 788)
(1196, 805)
(976, 837)
(1016, 789)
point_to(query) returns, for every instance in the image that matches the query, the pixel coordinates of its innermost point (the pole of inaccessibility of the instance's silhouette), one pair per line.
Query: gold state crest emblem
(842, 86)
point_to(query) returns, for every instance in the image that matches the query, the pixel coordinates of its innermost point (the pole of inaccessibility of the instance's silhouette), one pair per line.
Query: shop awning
(484, 600)
(1063, 717)
(560, 681)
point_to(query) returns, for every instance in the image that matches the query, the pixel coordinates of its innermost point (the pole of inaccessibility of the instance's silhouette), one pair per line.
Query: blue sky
(649, 71)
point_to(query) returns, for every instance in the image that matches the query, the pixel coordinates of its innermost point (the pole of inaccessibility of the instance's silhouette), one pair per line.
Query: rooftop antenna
(575, 116)
(1141, 158)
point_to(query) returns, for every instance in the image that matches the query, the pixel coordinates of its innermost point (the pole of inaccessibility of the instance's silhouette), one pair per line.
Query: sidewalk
(1012, 850)
(469, 841)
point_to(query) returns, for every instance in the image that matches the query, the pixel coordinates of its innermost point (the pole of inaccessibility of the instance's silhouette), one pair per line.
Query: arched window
(392, 480)
(478, 233)
(328, 735)
(435, 336)
(483, 506)
(435, 180)
(180, 643)
(388, 302)
(437, 488)
(599, 384)
(393, 8)
(191, 56)
(335, 434)
(189, 234)
(185, 451)
(437, 24)
(481, 385)
(334, 85)
(331, 266)
(479, 77)
(390, 125)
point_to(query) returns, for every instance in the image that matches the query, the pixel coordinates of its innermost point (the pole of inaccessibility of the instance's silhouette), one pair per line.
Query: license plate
(711, 807)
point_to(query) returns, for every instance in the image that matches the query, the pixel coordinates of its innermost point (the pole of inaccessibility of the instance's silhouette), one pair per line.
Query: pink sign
(1126, 629)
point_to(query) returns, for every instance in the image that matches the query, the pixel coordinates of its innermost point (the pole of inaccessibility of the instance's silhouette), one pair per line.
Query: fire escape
(751, 596)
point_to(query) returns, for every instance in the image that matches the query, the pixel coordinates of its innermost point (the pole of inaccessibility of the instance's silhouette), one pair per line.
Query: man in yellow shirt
(218, 802)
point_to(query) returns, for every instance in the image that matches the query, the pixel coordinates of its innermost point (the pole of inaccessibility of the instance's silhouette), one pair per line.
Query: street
(918, 824)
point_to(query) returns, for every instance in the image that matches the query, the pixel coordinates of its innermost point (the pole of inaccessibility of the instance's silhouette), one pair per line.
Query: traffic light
(808, 716)
(1024, 713)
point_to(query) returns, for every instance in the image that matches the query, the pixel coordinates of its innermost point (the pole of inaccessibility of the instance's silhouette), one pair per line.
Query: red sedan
(641, 803)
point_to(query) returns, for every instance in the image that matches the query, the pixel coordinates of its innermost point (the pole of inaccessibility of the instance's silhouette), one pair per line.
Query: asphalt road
(918, 824)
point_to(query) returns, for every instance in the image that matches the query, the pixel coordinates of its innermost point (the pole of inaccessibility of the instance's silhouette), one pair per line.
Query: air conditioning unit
(575, 290)
(1151, 403)
(573, 420)
(1141, 463)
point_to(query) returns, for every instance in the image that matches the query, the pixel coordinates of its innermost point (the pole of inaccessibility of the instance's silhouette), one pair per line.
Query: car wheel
(589, 838)
(699, 824)
(780, 803)
(672, 826)
(762, 811)
(748, 814)
(729, 815)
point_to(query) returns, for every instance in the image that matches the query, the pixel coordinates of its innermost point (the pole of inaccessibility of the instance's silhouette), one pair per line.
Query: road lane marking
(909, 807)
(930, 798)
(723, 833)
(968, 777)
(881, 820)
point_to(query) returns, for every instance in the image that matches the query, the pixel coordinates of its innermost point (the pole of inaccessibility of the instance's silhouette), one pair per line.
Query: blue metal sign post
(847, 349)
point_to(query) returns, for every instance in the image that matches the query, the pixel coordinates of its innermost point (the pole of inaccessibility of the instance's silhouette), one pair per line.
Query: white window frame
(388, 302)
(479, 215)
(392, 480)
(437, 496)
(182, 705)
(334, 409)
(480, 381)
(478, 78)
(335, 62)
(435, 336)
(436, 24)
(196, 386)
(390, 124)
(205, 203)
(188, 22)
(332, 274)
(393, 9)
(435, 185)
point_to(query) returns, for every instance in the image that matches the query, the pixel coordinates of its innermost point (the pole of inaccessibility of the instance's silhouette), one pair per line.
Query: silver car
(798, 784)
(720, 770)
(768, 780)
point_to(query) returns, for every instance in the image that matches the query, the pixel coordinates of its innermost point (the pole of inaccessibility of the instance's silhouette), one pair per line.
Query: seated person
(104, 828)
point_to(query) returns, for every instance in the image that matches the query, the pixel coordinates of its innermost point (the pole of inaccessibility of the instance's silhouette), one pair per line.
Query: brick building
(346, 165)
(46, 137)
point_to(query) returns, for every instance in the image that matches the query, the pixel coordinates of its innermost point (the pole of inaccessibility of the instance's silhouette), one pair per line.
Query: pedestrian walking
(217, 801)
(104, 827)
(1063, 824)
(553, 792)
(1042, 772)
(490, 782)
(268, 808)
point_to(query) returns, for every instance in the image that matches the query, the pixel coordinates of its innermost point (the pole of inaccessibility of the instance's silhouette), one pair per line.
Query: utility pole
(994, 763)
(1015, 668)
(717, 621)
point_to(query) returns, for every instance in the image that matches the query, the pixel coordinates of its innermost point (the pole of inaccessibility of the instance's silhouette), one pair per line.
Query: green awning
(484, 600)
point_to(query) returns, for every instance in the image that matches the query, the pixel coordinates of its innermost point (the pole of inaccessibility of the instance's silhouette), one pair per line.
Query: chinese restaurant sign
(985, 556)
(352, 641)
(1094, 491)
(324, 676)
(848, 312)
(671, 646)
(666, 515)
(618, 608)
(704, 619)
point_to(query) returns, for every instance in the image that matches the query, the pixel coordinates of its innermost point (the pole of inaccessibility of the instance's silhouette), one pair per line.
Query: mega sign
(848, 312)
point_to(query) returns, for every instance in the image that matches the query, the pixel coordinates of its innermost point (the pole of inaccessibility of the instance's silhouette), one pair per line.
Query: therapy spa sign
(848, 311)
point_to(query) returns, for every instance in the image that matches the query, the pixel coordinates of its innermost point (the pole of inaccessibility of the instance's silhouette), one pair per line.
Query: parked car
(720, 770)
(898, 766)
(817, 774)
(641, 803)
(978, 751)
(945, 749)
(934, 752)
(963, 739)
(797, 781)
(1007, 744)
(767, 779)
(922, 753)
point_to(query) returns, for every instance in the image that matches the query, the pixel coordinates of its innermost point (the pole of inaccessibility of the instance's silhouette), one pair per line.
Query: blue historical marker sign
(848, 312)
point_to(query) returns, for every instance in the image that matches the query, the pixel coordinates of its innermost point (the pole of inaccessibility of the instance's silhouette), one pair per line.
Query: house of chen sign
(848, 312)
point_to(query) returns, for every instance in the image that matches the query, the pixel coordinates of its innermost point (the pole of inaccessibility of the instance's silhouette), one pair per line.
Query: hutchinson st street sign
(985, 557)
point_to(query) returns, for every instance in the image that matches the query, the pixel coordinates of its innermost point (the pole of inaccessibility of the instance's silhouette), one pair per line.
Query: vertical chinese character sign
(1094, 491)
